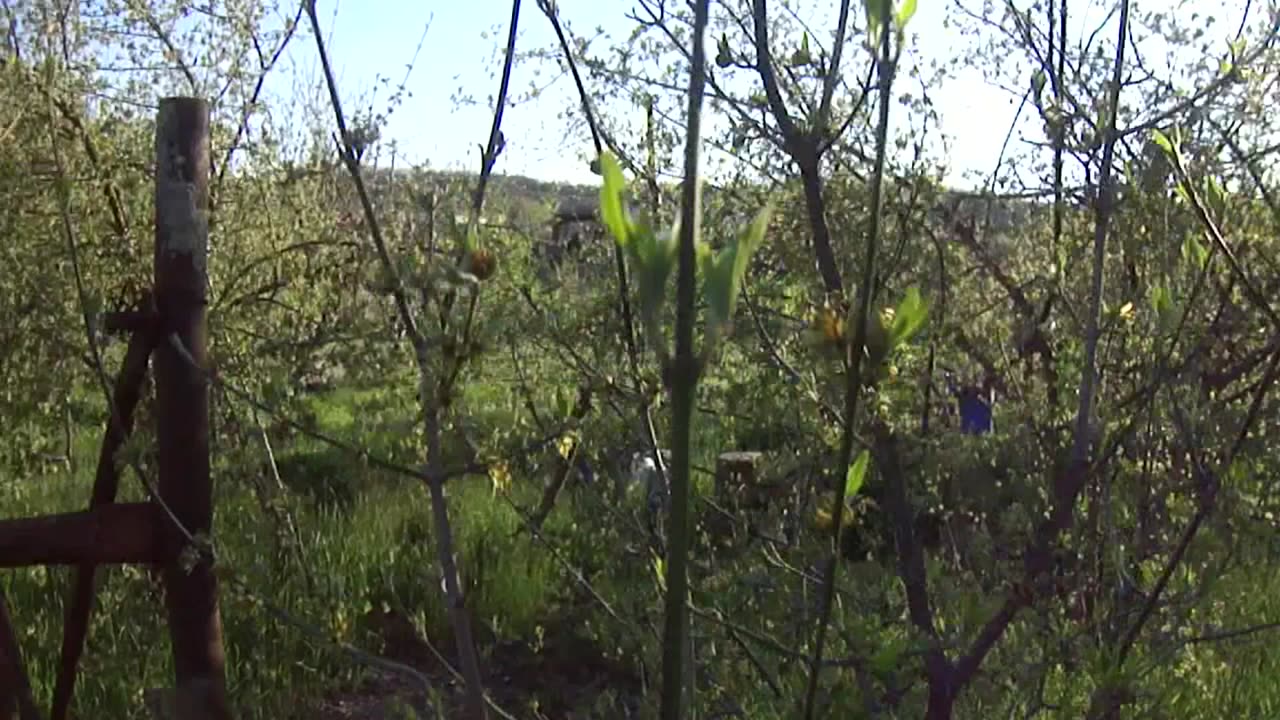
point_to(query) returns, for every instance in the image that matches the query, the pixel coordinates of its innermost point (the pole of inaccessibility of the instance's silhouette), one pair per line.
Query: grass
(366, 556)
(365, 545)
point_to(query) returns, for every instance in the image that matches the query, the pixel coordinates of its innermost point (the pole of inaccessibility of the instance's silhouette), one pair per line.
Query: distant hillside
(528, 202)
(522, 186)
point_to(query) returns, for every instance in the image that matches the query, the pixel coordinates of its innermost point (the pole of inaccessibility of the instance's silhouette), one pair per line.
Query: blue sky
(460, 51)
(372, 38)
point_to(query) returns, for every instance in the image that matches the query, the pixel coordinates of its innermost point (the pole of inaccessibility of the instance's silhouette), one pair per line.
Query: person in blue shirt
(975, 411)
(973, 402)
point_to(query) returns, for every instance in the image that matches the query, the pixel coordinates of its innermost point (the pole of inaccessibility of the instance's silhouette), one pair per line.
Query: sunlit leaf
(1215, 196)
(565, 445)
(875, 21)
(908, 317)
(824, 513)
(500, 478)
(612, 210)
(1194, 252)
(1182, 194)
(724, 56)
(564, 404)
(802, 57)
(655, 255)
(857, 474)
(724, 273)
(1159, 138)
(1161, 300)
(905, 13)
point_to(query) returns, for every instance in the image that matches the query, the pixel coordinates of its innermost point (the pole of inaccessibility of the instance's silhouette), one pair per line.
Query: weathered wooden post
(182, 396)
(735, 475)
(732, 475)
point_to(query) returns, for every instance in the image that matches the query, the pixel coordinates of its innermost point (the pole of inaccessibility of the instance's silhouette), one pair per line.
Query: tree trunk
(817, 212)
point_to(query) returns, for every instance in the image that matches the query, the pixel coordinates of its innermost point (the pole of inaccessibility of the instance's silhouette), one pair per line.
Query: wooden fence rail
(156, 532)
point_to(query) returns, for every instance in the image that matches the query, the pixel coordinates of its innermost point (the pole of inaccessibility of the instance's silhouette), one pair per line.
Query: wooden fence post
(182, 396)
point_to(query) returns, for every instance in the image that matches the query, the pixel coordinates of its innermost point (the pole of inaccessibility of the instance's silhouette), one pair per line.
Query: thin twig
(853, 359)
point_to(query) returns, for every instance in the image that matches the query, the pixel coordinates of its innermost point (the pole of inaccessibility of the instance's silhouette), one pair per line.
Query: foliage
(1158, 599)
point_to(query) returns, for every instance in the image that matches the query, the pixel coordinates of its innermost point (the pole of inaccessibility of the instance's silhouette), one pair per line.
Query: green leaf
(724, 56)
(564, 404)
(612, 209)
(885, 660)
(659, 571)
(905, 13)
(1236, 48)
(1182, 193)
(1037, 85)
(1215, 196)
(875, 21)
(1195, 252)
(908, 318)
(1238, 472)
(801, 57)
(655, 257)
(703, 253)
(1170, 144)
(856, 475)
(724, 272)
(1161, 300)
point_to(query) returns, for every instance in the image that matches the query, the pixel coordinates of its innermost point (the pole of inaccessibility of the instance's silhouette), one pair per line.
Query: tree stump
(736, 476)
(737, 489)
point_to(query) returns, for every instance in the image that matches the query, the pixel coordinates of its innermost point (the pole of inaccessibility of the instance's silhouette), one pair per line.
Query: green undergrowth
(363, 570)
(367, 552)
